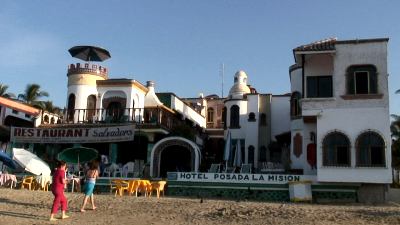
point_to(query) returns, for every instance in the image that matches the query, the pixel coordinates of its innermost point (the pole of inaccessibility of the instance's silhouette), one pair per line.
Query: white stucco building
(340, 111)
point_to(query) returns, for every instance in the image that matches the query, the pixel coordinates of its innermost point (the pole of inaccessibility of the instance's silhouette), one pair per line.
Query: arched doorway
(174, 154)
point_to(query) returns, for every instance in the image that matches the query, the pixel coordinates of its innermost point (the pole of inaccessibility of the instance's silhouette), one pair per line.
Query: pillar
(113, 152)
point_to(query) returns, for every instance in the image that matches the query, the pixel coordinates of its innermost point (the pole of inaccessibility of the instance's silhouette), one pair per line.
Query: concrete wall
(353, 122)
(187, 111)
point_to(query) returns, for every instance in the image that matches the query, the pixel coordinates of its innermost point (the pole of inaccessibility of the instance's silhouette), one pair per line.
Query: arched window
(295, 109)
(210, 115)
(252, 117)
(224, 117)
(370, 148)
(336, 150)
(52, 120)
(46, 119)
(234, 122)
(91, 107)
(71, 107)
(251, 154)
(362, 79)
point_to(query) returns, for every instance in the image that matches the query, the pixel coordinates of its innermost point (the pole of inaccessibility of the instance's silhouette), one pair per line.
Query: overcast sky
(181, 44)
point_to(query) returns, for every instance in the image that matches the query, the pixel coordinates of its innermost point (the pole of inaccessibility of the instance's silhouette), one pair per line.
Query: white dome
(240, 85)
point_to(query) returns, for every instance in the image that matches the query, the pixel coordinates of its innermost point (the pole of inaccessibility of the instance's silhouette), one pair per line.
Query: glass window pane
(325, 87)
(361, 82)
(342, 155)
(377, 156)
(312, 87)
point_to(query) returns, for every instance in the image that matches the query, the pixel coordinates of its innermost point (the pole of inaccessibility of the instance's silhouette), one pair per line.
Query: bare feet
(64, 217)
(94, 208)
(53, 219)
(82, 210)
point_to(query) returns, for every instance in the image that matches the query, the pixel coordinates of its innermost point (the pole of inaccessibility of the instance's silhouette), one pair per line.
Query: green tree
(32, 94)
(4, 93)
(395, 130)
(50, 107)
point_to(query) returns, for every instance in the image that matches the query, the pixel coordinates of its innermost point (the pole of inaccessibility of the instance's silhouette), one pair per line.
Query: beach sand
(33, 207)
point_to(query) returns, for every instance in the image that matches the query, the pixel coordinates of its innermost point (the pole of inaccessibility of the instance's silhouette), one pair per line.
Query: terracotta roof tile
(12, 104)
(322, 45)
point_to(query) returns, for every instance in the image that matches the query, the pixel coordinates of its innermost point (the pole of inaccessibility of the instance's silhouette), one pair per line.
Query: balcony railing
(88, 68)
(141, 116)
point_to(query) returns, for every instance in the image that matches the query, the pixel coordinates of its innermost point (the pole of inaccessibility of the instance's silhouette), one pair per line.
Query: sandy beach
(33, 207)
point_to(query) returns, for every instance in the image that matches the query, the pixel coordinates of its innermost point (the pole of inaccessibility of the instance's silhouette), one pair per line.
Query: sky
(181, 44)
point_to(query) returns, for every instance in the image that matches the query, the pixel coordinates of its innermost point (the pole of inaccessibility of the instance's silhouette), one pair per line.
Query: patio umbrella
(227, 148)
(77, 155)
(238, 155)
(7, 160)
(89, 53)
(31, 162)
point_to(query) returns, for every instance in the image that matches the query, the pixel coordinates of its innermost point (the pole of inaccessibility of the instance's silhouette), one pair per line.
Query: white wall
(187, 111)
(353, 122)
(296, 80)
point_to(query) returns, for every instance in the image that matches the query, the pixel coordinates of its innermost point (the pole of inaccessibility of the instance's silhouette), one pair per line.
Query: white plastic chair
(128, 168)
(215, 168)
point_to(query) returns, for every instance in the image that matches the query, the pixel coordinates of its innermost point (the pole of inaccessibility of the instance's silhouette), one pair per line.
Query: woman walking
(58, 191)
(90, 182)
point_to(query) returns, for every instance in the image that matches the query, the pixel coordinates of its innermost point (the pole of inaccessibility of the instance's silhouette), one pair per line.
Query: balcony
(88, 68)
(156, 117)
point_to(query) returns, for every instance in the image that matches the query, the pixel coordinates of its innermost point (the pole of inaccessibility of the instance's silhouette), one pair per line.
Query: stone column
(113, 152)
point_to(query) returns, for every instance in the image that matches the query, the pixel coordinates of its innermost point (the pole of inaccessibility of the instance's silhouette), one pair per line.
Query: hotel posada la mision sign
(73, 135)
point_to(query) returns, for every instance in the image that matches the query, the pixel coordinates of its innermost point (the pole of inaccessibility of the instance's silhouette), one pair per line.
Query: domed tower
(82, 90)
(240, 85)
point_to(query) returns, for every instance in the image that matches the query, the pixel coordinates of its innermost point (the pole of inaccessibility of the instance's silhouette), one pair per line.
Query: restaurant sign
(73, 135)
(240, 178)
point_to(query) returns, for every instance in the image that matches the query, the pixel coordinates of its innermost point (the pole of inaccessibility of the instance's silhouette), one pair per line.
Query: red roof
(12, 104)
(322, 45)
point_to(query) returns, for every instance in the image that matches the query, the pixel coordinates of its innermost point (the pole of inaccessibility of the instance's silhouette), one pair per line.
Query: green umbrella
(77, 155)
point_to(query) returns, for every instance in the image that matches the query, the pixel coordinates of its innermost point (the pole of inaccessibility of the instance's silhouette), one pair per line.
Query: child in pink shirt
(58, 191)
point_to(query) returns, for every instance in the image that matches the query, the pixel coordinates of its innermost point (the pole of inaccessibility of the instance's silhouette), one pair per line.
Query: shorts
(89, 187)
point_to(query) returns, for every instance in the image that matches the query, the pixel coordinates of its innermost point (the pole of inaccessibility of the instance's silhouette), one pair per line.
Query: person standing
(58, 191)
(91, 176)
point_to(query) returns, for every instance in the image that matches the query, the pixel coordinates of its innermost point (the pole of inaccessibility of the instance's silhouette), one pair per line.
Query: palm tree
(32, 94)
(50, 107)
(4, 93)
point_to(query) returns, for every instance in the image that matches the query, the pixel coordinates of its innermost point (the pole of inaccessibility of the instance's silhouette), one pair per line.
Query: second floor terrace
(145, 118)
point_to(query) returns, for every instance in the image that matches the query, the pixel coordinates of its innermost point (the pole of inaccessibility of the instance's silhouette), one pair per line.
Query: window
(251, 155)
(336, 150)
(295, 109)
(15, 111)
(46, 119)
(52, 120)
(234, 123)
(370, 150)
(252, 117)
(91, 107)
(361, 80)
(210, 115)
(319, 87)
(27, 116)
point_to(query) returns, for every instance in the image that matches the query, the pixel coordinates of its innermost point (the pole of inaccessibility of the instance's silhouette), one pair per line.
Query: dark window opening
(362, 80)
(336, 150)
(319, 87)
(252, 117)
(234, 122)
(370, 150)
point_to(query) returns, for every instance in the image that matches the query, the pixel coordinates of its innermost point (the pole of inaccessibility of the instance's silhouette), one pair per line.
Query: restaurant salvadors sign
(73, 135)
